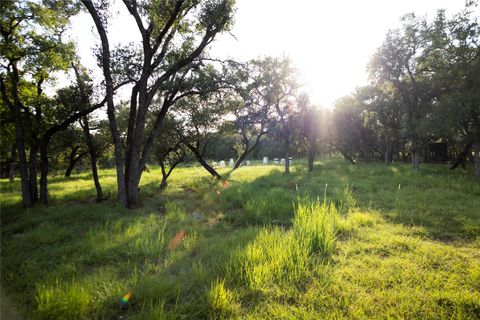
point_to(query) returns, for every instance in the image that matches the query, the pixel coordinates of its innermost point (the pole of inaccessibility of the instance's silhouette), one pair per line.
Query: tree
(169, 151)
(384, 111)
(199, 119)
(248, 104)
(401, 61)
(70, 146)
(92, 152)
(280, 86)
(455, 59)
(33, 49)
(313, 127)
(173, 35)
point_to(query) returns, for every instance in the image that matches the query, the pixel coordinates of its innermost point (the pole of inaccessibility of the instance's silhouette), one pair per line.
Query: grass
(343, 242)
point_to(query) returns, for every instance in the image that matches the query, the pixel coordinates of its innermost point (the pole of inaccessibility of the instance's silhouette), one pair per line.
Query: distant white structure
(222, 164)
(265, 160)
(248, 162)
(282, 161)
(290, 160)
(231, 163)
(214, 164)
(275, 161)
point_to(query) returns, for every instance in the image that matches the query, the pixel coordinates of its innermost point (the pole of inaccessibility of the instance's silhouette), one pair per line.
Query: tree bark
(121, 186)
(19, 138)
(43, 172)
(165, 173)
(248, 149)
(345, 155)
(164, 183)
(11, 164)
(310, 158)
(202, 161)
(11, 167)
(462, 156)
(476, 159)
(93, 158)
(72, 161)
(388, 149)
(286, 150)
(415, 156)
(245, 153)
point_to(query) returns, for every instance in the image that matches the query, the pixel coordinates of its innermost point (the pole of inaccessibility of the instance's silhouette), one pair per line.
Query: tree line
(186, 105)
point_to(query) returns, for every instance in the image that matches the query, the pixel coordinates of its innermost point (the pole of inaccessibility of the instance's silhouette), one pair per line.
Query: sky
(330, 42)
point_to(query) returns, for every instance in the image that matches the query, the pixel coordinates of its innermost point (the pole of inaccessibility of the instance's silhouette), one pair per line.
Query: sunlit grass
(363, 241)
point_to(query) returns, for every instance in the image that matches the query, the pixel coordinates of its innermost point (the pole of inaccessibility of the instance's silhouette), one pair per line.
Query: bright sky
(330, 42)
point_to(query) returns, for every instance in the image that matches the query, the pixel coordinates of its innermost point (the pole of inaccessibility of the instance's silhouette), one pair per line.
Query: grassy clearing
(343, 242)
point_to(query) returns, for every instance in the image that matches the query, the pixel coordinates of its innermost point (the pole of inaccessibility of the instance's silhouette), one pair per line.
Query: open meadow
(341, 242)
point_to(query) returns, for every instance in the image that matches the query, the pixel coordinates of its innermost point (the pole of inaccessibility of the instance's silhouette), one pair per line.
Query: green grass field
(344, 242)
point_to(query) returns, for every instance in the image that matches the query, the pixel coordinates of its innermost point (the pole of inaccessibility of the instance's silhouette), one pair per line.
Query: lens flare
(126, 298)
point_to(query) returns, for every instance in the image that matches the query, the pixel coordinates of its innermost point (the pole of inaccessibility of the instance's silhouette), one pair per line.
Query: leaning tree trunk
(202, 161)
(72, 161)
(241, 158)
(93, 158)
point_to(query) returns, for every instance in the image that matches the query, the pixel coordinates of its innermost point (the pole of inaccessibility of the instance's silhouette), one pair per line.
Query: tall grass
(279, 255)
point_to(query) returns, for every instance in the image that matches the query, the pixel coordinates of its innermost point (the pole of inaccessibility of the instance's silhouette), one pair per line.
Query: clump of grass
(355, 221)
(314, 227)
(62, 301)
(348, 201)
(220, 298)
(284, 256)
(153, 311)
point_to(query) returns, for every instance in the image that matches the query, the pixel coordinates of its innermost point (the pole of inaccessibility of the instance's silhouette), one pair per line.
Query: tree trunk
(310, 158)
(476, 159)
(204, 164)
(415, 155)
(207, 167)
(11, 165)
(462, 156)
(388, 151)
(415, 160)
(22, 160)
(72, 161)
(11, 171)
(241, 158)
(163, 184)
(121, 186)
(93, 158)
(286, 151)
(33, 172)
(43, 172)
(345, 155)
(15, 107)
